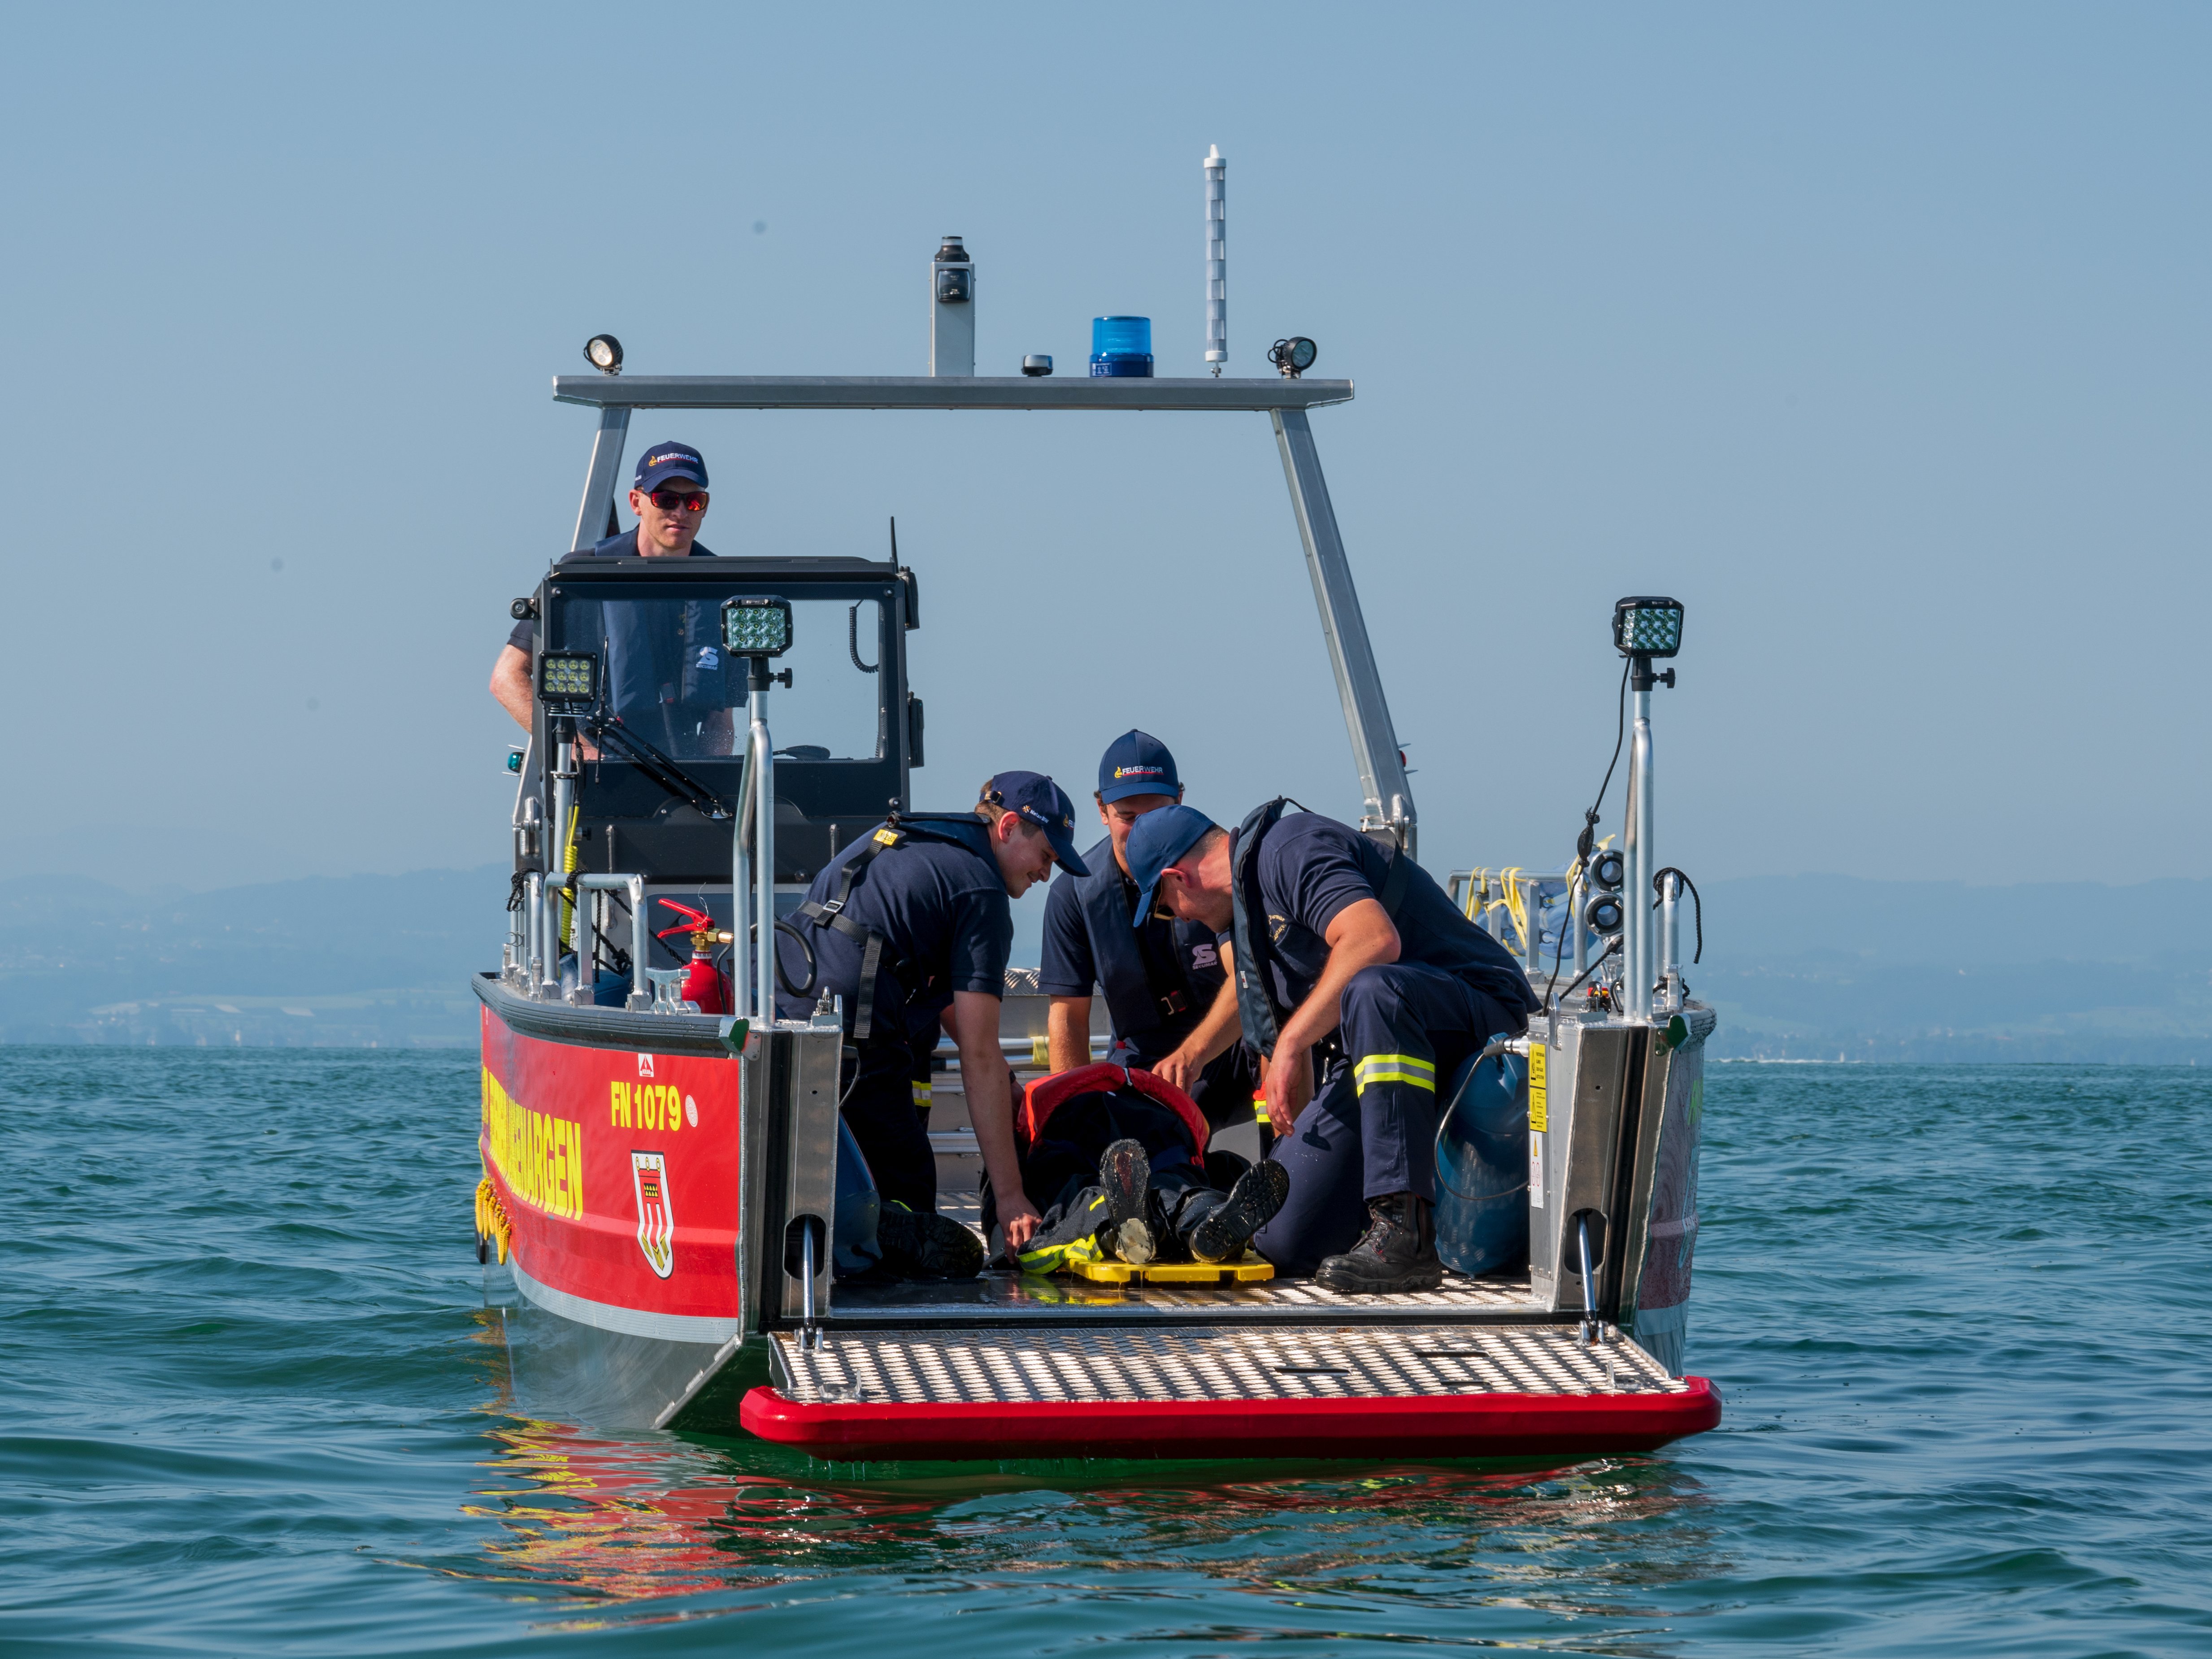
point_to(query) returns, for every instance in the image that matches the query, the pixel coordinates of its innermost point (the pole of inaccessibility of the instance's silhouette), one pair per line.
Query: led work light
(756, 626)
(1293, 356)
(567, 679)
(604, 353)
(1646, 626)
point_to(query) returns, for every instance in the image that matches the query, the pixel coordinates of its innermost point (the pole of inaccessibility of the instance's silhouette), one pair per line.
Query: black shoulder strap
(1393, 894)
(831, 914)
(1255, 998)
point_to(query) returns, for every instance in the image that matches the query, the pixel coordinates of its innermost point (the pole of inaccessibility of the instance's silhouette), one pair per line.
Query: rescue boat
(659, 1150)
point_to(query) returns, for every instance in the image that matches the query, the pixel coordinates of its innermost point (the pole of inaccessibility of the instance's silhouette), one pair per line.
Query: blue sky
(1878, 335)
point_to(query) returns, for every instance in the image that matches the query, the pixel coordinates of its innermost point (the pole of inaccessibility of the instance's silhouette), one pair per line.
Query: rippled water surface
(257, 1400)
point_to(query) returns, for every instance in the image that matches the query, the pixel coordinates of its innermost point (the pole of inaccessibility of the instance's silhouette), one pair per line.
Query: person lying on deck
(1117, 1158)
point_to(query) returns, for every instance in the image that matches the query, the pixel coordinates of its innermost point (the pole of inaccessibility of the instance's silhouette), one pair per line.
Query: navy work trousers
(1370, 1129)
(884, 1089)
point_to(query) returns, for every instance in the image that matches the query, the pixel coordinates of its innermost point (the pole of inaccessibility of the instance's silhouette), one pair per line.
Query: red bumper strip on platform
(1458, 1426)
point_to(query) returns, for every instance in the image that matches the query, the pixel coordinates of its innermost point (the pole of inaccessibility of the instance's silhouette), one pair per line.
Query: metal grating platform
(1002, 1366)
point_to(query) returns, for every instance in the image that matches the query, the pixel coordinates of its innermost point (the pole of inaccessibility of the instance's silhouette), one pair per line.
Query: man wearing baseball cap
(1165, 982)
(911, 927)
(669, 496)
(1350, 960)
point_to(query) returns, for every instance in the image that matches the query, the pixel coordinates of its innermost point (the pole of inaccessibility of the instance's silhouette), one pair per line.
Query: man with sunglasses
(669, 496)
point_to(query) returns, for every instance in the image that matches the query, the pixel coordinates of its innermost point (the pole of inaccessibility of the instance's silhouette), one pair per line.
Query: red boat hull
(618, 1173)
(1456, 1426)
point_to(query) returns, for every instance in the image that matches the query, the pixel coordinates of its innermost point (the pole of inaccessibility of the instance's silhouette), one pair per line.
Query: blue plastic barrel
(1482, 1168)
(1122, 345)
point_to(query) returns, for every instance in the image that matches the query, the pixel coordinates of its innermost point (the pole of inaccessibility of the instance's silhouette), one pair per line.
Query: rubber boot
(1397, 1254)
(926, 1246)
(1223, 1232)
(1126, 1175)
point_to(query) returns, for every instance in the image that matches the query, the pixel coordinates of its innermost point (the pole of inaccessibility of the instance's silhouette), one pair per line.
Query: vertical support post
(599, 477)
(1578, 896)
(1639, 967)
(1387, 798)
(1670, 941)
(533, 905)
(641, 947)
(741, 952)
(761, 763)
(557, 859)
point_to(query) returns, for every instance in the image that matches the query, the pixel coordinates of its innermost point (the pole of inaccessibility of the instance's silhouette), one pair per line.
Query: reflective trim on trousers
(1394, 1068)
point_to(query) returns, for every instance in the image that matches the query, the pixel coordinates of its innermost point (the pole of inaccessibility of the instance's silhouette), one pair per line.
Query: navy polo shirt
(1070, 964)
(1312, 868)
(621, 545)
(941, 909)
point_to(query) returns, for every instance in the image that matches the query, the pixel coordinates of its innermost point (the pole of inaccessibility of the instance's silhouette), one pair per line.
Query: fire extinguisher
(703, 985)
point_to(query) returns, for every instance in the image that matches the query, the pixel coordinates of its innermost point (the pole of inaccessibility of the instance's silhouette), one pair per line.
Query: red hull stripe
(1458, 1426)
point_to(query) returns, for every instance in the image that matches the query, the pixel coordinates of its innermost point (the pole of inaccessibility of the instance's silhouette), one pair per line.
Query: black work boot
(1252, 1203)
(1124, 1174)
(917, 1246)
(1398, 1252)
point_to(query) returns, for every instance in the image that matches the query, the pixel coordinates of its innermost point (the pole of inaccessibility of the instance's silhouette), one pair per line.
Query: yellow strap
(569, 860)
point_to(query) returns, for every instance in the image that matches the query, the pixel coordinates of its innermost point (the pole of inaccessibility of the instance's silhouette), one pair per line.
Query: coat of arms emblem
(656, 1215)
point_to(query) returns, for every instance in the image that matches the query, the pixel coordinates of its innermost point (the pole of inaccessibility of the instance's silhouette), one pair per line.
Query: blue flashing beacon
(1122, 345)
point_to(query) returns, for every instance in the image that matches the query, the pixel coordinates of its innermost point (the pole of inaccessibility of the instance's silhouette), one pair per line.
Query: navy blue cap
(1137, 763)
(1035, 798)
(1158, 840)
(665, 461)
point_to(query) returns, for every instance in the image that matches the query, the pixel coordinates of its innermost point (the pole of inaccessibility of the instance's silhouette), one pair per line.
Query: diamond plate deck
(1063, 1366)
(1014, 1298)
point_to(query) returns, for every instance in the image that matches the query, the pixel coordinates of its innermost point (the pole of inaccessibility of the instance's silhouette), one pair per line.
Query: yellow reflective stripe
(1408, 1062)
(1359, 1084)
(922, 1094)
(1394, 1068)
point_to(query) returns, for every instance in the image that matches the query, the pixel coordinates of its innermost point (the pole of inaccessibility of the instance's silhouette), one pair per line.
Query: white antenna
(1217, 257)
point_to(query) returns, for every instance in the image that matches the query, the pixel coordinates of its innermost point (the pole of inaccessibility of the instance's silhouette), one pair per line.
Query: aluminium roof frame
(1388, 798)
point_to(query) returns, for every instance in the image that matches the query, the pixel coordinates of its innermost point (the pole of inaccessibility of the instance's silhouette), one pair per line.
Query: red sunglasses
(672, 501)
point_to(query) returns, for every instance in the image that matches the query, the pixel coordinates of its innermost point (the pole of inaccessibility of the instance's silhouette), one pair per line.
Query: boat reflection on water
(609, 1518)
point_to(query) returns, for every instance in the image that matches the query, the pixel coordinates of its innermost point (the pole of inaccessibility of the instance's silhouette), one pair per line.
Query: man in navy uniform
(1350, 961)
(1166, 983)
(911, 927)
(669, 496)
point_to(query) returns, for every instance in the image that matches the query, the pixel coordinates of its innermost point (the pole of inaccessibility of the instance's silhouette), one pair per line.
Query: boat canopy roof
(942, 392)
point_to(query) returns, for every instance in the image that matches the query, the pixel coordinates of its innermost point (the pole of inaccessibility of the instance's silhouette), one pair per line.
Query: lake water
(257, 1401)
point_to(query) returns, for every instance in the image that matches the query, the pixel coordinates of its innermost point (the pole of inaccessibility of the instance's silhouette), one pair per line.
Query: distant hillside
(1806, 967)
(355, 959)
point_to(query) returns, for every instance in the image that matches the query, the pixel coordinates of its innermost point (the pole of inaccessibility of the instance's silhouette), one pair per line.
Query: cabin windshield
(669, 680)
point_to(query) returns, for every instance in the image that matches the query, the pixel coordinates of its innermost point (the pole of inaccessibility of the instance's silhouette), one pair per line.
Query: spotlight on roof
(1293, 356)
(604, 353)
